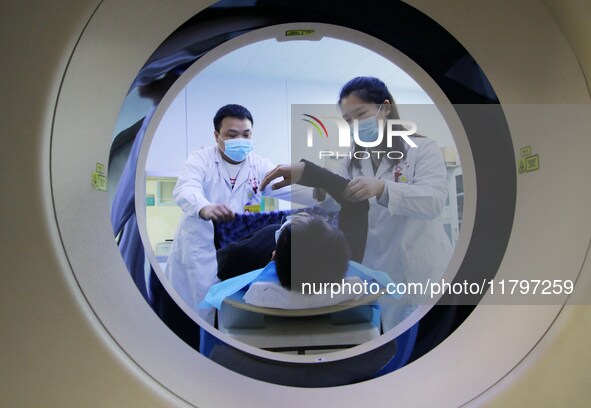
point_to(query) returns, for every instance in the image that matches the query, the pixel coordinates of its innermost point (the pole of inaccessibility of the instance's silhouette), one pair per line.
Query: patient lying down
(311, 258)
(312, 249)
(309, 255)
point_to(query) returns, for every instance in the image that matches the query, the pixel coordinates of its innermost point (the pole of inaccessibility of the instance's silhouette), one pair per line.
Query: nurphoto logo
(346, 132)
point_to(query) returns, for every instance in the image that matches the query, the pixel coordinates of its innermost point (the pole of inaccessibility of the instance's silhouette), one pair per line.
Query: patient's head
(310, 250)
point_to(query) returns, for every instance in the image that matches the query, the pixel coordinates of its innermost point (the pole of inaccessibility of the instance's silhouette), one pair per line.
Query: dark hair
(373, 90)
(230, 111)
(309, 250)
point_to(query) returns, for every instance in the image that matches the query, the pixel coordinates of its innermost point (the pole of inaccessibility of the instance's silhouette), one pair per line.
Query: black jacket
(254, 251)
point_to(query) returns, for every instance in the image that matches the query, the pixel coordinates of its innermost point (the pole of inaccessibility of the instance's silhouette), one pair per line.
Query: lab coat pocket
(196, 236)
(427, 262)
(197, 230)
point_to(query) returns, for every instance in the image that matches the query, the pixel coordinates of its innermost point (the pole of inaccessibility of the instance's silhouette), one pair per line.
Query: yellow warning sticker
(525, 151)
(99, 180)
(528, 161)
(532, 163)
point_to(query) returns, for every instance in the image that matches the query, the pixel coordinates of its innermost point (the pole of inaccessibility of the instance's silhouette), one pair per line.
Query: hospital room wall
(187, 125)
(162, 218)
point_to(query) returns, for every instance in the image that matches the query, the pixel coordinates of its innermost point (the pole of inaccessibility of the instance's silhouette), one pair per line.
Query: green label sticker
(522, 166)
(150, 200)
(525, 151)
(100, 168)
(291, 33)
(528, 162)
(532, 163)
(99, 182)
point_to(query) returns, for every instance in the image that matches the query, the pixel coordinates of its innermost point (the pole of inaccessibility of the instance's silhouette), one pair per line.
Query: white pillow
(272, 294)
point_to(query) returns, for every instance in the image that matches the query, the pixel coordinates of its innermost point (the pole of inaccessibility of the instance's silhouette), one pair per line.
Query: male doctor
(215, 183)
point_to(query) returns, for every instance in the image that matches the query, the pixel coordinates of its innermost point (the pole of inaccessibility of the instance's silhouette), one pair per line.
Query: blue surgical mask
(237, 149)
(368, 128)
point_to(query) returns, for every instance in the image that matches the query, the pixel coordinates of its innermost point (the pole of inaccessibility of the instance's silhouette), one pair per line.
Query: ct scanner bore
(460, 90)
(191, 50)
(122, 328)
(261, 33)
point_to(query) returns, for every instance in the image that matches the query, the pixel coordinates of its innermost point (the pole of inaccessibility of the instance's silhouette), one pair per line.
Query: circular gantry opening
(336, 277)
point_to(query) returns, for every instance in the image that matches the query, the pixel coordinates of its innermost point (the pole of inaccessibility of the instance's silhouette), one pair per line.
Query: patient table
(300, 331)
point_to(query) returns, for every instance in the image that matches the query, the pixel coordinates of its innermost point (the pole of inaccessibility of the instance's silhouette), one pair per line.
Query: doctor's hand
(217, 212)
(363, 188)
(291, 175)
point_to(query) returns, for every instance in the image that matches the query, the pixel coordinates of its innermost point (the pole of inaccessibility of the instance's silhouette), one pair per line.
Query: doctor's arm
(189, 194)
(425, 197)
(339, 167)
(307, 174)
(352, 215)
(290, 192)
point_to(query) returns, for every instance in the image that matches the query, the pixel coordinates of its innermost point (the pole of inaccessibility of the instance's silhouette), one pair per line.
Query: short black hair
(309, 250)
(230, 111)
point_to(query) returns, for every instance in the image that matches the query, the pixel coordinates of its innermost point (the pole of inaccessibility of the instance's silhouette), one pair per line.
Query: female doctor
(215, 183)
(406, 192)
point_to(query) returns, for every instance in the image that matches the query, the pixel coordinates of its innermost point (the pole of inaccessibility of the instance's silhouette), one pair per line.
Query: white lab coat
(204, 180)
(406, 237)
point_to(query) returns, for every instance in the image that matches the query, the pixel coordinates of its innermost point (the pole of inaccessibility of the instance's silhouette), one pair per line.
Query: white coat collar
(223, 170)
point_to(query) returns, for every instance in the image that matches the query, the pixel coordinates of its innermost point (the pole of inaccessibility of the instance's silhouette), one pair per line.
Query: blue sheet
(218, 292)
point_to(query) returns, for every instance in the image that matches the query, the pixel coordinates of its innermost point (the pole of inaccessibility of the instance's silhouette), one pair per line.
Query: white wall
(188, 123)
(168, 149)
(267, 78)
